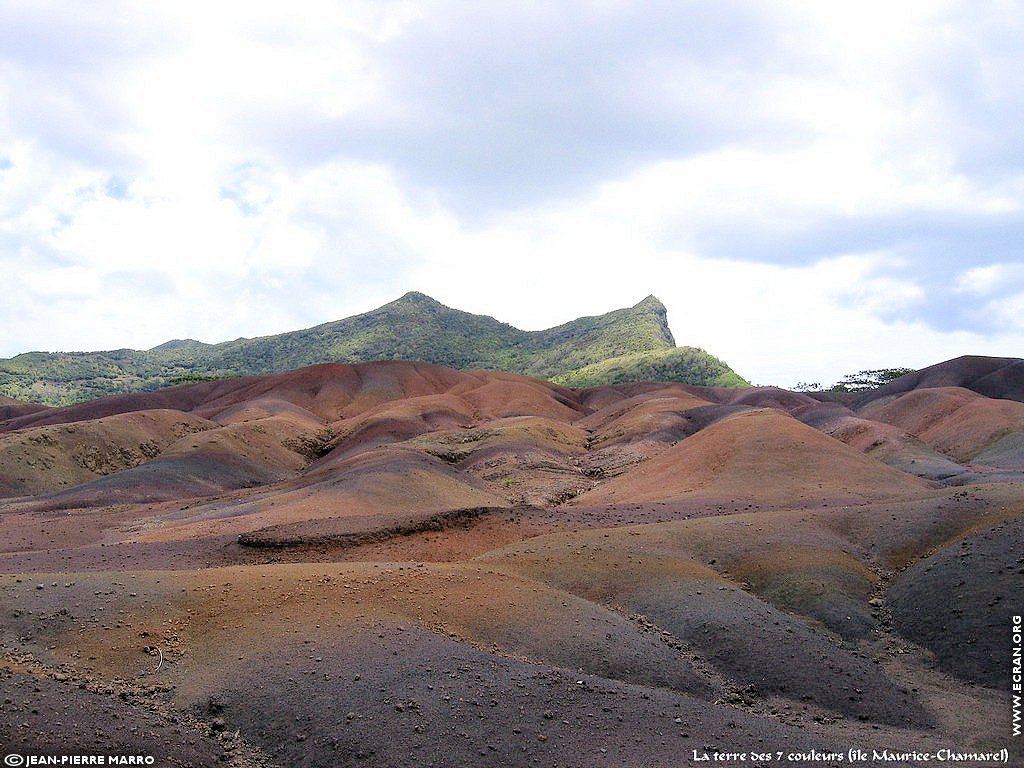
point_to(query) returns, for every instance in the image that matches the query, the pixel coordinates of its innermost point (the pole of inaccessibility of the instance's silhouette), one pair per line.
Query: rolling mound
(245, 650)
(10, 408)
(891, 445)
(244, 455)
(757, 647)
(330, 392)
(762, 455)
(958, 422)
(957, 602)
(793, 403)
(528, 460)
(996, 377)
(383, 485)
(650, 415)
(396, 562)
(43, 460)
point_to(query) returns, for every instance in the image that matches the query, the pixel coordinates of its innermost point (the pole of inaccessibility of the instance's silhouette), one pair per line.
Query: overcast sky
(810, 187)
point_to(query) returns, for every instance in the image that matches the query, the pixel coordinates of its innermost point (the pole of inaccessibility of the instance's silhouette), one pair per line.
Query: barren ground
(400, 564)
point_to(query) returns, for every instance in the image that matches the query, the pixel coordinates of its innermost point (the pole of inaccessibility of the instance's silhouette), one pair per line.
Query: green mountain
(630, 344)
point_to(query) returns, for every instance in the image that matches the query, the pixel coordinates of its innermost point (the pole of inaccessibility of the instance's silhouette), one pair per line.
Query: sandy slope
(957, 422)
(759, 454)
(397, 563)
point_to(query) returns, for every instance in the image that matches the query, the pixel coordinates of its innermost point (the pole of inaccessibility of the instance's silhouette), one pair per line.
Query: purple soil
(998, 377)
(958, 602)
(753, 624)
(12, 409)
(43, 716)
(775, 654)
(388, 697)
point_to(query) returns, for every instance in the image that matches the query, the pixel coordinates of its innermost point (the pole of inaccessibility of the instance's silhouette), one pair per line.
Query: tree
(871, 379)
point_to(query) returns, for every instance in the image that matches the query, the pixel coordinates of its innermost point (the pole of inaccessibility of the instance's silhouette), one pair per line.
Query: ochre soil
(401, 564)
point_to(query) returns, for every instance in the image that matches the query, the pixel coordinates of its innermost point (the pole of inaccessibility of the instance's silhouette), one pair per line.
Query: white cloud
(993, 278)
(589, 164)
(1009, 313)
(775, 324)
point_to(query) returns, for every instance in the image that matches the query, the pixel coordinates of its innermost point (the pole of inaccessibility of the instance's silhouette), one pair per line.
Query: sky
(811, 188)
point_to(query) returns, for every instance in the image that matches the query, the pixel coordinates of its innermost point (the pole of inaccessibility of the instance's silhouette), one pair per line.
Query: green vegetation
(858, 382)
(686, 364)
(192, 378)
(629, 344)
(863, 380)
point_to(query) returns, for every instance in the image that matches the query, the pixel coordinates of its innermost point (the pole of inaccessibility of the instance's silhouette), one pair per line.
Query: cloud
(810, 188)
(493, 107)
(153, 262)
(991, 279)
(996, 294)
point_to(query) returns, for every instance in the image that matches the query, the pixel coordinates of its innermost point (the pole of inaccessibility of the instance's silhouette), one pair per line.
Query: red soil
(763, 455)
(398, 563)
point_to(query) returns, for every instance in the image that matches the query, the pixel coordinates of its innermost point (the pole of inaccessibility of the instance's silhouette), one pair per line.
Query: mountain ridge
(626, 344)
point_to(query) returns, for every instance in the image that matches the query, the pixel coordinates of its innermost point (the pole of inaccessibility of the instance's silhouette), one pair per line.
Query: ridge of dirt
(289, 535)
(151, 702)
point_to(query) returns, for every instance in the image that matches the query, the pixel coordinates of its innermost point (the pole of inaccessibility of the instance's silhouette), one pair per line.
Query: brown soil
(397, 563)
